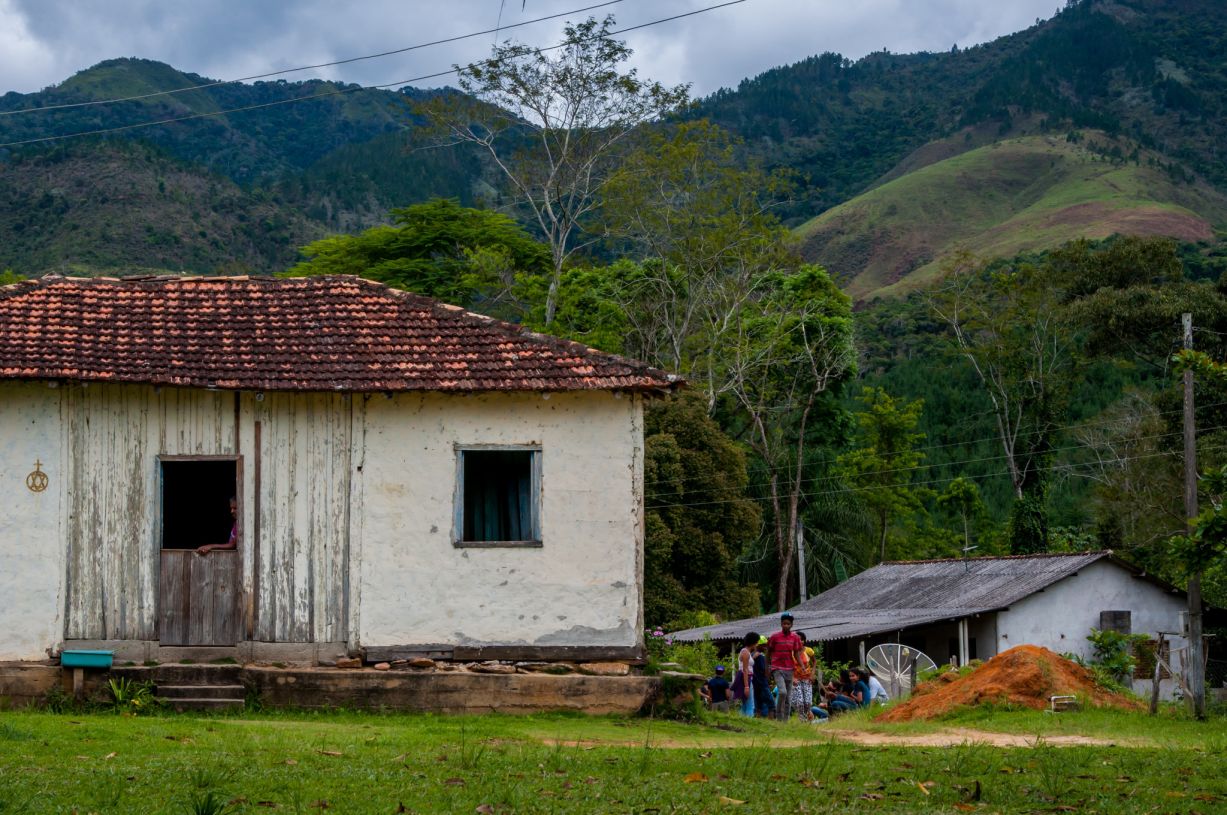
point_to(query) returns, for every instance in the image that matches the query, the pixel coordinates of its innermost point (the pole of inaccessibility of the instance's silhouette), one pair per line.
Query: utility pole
(801, 559)
(1197, 660)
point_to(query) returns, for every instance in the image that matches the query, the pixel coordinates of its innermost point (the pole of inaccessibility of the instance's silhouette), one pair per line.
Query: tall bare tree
(1009, 324)
(792, 344)
(688, 202)
(552, 122)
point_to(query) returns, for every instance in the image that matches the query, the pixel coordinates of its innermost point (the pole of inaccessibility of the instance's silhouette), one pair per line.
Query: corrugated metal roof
(902, 594)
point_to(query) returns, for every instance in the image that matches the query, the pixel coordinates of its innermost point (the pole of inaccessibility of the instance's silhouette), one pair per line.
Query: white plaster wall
(31, 536)
(1060, 617)
(580, 588)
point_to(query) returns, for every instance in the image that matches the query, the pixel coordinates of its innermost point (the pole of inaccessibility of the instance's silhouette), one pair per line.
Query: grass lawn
(369, 763)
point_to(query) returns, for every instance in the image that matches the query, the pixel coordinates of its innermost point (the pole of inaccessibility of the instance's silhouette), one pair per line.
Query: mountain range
(1106, 118)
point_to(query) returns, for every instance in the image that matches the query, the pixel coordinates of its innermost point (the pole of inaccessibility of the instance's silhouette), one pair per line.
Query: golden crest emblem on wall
(37, 480)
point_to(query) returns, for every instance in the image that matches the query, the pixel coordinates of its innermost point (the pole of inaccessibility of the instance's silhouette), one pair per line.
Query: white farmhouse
(959, 609)
(408, 477)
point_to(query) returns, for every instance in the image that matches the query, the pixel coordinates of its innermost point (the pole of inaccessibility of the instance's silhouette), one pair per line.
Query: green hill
(92, 207)
(1153, 71)
(1022, 194)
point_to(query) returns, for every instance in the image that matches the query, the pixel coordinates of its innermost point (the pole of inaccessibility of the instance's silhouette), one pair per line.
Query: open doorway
(200, 594)
(196, 498)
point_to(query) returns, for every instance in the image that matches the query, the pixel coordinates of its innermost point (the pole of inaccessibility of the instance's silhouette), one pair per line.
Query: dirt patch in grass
(1103, 219)
(1024, 676)
(955, 736)
(948, 737)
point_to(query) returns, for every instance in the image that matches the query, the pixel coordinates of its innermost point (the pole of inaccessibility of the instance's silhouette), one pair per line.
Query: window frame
(535, 471)
(159, 508)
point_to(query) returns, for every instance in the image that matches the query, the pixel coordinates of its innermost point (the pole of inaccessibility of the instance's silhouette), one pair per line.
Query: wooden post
(1154, 690)
(1196, 663)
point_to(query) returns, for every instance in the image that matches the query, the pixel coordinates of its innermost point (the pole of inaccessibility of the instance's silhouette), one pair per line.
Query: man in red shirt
(785, 651)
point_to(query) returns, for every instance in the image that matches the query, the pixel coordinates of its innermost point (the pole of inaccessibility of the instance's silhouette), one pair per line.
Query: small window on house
(499, 498)
(196, 496)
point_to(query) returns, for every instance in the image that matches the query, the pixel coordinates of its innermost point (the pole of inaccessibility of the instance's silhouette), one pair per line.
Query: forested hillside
(1142, 81)
(1152, 70)
(335, 162)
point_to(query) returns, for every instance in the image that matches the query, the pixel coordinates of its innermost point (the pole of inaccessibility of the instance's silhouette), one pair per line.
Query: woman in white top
(877, 693)
(743, 690)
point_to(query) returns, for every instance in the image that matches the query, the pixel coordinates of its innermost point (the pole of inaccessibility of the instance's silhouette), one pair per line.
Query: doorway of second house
(200, 597)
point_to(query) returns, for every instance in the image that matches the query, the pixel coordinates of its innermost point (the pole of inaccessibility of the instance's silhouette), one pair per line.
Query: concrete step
(179, 674)
(202, 692)
(205, 705)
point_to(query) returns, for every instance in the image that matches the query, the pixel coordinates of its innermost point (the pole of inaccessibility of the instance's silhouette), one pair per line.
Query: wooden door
(200, 598)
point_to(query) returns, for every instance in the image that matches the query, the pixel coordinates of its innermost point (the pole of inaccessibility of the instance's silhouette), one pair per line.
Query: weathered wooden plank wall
(113, 436)
(305, 458)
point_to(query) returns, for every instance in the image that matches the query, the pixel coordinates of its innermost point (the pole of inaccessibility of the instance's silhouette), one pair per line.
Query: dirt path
(952, 737)
(949, 737)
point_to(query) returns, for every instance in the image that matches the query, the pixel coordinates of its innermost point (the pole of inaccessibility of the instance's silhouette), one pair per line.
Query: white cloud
(43, 42)
(25, 61)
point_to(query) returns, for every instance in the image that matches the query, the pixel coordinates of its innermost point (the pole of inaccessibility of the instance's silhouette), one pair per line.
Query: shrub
(1112, 658)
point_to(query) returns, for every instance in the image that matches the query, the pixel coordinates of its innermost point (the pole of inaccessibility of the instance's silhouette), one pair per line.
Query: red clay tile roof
(310, 334)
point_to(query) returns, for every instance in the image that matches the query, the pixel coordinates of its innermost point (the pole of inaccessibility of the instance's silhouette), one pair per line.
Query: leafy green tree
(1008, 324)
(440, 249)
(882, 468)
(8, 276)
(699, 517)
(962, 497)
(552, 123)
(790, 348)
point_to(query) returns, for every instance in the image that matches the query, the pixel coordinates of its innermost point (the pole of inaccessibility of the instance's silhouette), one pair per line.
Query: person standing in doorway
(785, 651)
(233, 542)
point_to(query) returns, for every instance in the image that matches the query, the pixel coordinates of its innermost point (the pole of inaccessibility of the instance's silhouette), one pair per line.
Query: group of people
(775, 679)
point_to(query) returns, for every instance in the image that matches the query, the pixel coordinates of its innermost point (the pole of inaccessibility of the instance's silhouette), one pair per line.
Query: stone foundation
(451, 691)
(444, 689)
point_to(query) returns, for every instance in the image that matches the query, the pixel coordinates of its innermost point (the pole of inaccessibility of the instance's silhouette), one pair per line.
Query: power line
(968, 443)
(342, 91)
(1118, 460)
(347, 61)
(941, 464)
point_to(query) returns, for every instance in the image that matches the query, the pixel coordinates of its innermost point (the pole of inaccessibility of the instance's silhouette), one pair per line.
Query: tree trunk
(782, 548)
(551, 298)
(882, 519)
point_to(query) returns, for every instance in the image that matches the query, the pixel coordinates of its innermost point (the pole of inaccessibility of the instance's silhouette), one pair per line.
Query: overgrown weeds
(132, 697)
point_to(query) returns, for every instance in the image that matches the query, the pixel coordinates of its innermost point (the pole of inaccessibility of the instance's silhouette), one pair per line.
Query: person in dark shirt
(715, 691)
(764, 705)
(855, 694)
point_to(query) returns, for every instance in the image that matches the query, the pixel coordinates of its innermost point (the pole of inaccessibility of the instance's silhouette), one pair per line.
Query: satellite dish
(894, 664)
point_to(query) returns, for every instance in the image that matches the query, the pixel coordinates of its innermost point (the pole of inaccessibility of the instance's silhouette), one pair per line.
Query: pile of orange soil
(1024, 676)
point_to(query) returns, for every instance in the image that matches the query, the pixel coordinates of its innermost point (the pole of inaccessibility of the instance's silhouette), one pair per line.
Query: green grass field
(369, 763)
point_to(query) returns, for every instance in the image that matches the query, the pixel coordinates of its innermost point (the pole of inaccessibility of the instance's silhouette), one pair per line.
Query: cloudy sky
(42, 42)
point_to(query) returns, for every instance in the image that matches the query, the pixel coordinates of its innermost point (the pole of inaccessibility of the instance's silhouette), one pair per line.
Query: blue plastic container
(86, 659)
